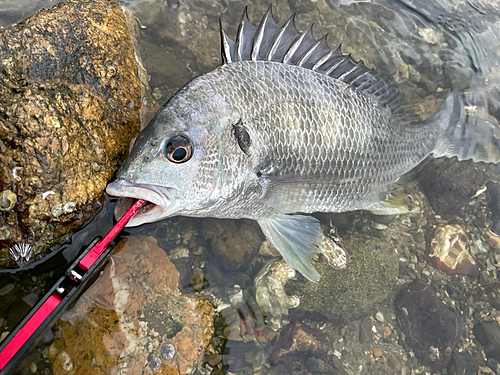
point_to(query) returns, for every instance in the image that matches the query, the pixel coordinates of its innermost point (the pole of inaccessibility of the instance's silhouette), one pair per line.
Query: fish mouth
(160, 201)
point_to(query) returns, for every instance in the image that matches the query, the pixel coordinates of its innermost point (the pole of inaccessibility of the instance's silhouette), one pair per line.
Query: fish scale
(359, 154)
(283, 128)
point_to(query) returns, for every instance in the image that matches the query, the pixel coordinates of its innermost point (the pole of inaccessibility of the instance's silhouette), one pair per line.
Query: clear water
(352, 323)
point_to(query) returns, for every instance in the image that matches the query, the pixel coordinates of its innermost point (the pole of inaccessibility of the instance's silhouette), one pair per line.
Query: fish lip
(163, 199)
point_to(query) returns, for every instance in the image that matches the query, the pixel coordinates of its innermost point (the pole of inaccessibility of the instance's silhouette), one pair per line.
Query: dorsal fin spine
(335, 66)
(311, 51)
(279, 37)
(259, 34)
(293, 48)
(227, 45)
(270, 42)
(321, 61)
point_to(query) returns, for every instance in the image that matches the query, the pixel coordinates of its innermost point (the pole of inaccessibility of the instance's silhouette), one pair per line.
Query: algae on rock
(351, 292)
(72, 95)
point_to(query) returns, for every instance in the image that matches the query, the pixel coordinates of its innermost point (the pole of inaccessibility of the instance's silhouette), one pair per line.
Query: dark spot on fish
(259, 174)
(242, 137)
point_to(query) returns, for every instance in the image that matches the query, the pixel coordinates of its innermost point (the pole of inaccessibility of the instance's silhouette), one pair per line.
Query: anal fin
(297, 238)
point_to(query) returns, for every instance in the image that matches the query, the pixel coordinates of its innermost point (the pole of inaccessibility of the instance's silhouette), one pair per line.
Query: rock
(73, 94)
(377, 352)
(270, 293)
(296, 342)
(133, 314)
(449, 184)
(463, 363)
(431, 328)
(449, 251)
(493, 199)
(488, 334)
(234, 242)
(350, 292)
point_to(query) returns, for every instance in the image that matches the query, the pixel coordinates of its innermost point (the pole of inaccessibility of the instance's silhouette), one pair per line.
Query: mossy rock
(351, 292)
(73, 94)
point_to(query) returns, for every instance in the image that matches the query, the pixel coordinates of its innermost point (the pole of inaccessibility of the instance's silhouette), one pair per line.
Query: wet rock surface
(134, 318)
(73, 94)
(431, 328)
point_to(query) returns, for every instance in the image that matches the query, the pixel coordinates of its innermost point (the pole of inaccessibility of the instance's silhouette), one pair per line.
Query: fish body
(284, 126)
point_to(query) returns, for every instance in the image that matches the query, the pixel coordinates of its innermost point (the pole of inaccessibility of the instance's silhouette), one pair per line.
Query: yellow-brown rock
(124, 319)
(72, 96)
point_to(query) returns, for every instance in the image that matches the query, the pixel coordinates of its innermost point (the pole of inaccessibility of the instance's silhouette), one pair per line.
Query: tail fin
(465, 133)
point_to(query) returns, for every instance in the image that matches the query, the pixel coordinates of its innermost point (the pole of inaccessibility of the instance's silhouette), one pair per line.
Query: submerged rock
(301, 346)
(431, 328)
(270, 293)
(449, 251)
(488, 335)
(134, 319)
(450, 184)
(350, 292)
(73, 94)
(235, 243)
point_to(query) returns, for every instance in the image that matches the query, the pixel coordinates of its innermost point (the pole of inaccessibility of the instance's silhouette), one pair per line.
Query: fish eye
(179, 149)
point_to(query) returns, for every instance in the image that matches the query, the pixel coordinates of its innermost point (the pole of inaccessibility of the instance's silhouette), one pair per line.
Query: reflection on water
(366, 318)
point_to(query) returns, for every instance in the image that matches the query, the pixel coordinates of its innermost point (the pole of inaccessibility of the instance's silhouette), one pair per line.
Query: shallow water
(354, 321)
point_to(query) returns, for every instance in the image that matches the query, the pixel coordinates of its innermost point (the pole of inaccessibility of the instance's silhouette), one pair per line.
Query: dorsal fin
(270, 42)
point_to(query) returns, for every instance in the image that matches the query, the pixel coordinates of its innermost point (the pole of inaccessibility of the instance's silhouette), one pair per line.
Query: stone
(270, 293)
(431, 328)
(493, 199)
(377, 352)
(386, 331)
(449, 251)
(73, 94)
(235, 243)
(463, 363)
(295, 341)
(488, 334)
(450, 184)
(131, 315)
(351, 292)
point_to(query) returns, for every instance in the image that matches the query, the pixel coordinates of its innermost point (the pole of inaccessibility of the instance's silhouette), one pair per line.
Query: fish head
(163, 165)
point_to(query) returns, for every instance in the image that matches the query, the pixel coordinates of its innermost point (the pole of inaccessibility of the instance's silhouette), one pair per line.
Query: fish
(285, 127)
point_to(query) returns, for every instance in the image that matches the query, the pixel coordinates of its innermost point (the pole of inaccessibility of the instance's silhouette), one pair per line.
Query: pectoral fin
(297, 238)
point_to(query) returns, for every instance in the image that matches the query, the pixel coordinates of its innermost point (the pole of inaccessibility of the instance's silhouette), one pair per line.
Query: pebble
(3, 335)
(179, 252)
(213, 359)
(386, 331)
(377, 352)
(379, 316)
(6, 289)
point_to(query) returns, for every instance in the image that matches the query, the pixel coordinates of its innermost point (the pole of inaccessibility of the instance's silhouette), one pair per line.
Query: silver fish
(285, 125)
